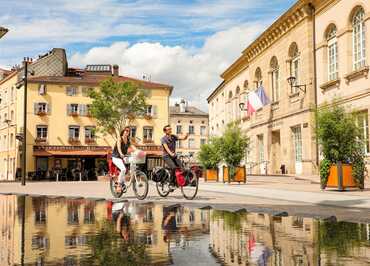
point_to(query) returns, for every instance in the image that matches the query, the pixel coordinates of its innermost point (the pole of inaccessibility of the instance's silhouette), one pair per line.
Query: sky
(184, 43)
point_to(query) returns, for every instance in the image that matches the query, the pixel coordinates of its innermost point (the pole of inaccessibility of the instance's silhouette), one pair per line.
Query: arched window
(294, 65)
(12, 115)
(358, 37)
(11, 140)
(331, 37)
(258, 77)
(230, 94)
(274, 65)
(237, 90)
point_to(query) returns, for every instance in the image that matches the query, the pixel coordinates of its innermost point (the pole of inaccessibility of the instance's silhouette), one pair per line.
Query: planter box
(211, 175)
(340, 176)
(240, 175)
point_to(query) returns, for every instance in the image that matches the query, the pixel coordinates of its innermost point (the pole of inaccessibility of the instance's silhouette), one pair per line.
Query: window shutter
(68, 109)
(35, 105)
(48, 108)
(154, 111)
(82, 109)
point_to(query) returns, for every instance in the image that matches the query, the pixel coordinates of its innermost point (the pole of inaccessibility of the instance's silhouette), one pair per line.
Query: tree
(232, 146)
(209, 156)
(115, 104)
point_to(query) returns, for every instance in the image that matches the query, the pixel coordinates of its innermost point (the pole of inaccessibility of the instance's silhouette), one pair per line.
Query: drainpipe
(313, 10)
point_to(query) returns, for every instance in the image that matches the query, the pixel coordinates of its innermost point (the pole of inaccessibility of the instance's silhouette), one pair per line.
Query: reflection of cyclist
(168, 142)
(122, 218)
(169, 224)
(120, 151)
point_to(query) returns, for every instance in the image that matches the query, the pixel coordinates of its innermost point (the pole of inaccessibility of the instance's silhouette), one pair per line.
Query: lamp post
(7, 121)
(242, 107)
(23, 82)
(291, 81)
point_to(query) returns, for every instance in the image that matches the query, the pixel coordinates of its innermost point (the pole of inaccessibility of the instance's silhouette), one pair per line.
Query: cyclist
(168, 142)
(120, 150)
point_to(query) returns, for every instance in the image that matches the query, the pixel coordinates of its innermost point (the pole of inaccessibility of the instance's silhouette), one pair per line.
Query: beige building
(61, 134)
(342, 55)
(188, 119)
(280, 133)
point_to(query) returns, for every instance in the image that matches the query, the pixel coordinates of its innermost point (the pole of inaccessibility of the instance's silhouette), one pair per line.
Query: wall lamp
(291, 80)
(242, 107)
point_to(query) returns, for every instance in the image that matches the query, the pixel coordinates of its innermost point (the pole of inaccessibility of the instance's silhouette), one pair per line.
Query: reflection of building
(61, 132)
(188, 119)
(8, 207)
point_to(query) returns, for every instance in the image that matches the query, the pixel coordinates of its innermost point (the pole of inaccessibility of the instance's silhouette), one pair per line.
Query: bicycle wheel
(163, 186)
(113, 190)
(191, 189)
(140, 185)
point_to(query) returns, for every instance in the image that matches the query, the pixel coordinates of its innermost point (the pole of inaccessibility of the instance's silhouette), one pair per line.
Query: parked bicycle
(137, 178)
(185, 178)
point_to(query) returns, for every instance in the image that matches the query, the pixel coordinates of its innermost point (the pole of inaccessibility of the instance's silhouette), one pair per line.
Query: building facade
(280, 133)
(61, 134)
(188, 119)
(342, 55)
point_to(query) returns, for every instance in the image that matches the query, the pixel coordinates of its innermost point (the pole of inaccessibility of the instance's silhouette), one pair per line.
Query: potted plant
(343, 164)
(232, 146)
(209, 157)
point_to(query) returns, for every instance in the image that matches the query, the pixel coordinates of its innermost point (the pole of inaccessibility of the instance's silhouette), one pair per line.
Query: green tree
(232, 146)
(209, 155)
(115, 104)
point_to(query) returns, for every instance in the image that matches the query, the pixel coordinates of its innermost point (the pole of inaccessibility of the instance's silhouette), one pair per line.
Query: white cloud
(194, 74)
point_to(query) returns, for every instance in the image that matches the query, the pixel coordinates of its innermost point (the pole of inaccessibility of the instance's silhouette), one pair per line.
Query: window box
(147, 141)
(41, 140)
(74, 140)
(73, 114)
(90, 140)
(330, 83)
(41, 113)
(362, 72)
(148, 117)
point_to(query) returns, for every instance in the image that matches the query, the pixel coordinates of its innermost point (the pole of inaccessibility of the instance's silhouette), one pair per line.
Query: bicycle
(165, 183)
(138, 179)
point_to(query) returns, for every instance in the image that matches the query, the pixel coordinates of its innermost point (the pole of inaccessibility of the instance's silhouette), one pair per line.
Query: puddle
(59, 231)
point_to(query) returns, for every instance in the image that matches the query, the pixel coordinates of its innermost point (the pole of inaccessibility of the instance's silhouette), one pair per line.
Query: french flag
(256, 100)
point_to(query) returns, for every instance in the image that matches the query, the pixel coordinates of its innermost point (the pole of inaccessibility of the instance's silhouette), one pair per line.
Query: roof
(190, 110)
(94, 80)
(219, 87)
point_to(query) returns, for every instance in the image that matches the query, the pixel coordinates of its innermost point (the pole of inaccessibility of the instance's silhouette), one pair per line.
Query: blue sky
(184, 43)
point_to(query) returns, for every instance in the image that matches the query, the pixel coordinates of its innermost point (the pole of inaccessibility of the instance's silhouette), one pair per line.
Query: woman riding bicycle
(120, 150)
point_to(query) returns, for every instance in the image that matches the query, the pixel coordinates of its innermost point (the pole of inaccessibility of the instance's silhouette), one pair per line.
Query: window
(294, 65)
(191, 130)
(358, 24)
(148, 134)
(179, 144)
(261, 155)
(12, 115)
(72, 214)
(191, 144)
(202, 141)
(11, 140)
(71, 91)
(133, 132)
(12, 96)
(332, 53)
(41, 108)
(72, 109)
(89, 133)
(74, 132)
(42, 89)
(202, 130)
(42, 132)
(178, 129)
(149, 110)
(86, 91)
(258, 77)
(297, 141)
(275, 79)
(89, 214)
(363, 123)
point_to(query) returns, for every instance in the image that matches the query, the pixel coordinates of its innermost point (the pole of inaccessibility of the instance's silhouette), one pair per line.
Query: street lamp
(23, 82)
(291, 81)
(242, 107)
(7, 121)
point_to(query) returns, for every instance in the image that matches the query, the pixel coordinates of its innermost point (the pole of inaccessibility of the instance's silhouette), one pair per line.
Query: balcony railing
(41, 112)
(73, 140)
(73, 113)
(148, 141)
(41, 140)
(90, 140)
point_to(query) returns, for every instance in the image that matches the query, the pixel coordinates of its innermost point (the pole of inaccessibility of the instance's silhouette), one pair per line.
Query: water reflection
(58, 231)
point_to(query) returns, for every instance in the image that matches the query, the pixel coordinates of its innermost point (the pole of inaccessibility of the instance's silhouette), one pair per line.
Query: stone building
(189, 119)
(342, 55)
(280, 133)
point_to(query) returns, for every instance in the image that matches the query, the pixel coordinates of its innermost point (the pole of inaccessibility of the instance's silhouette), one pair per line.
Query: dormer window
(42, 89)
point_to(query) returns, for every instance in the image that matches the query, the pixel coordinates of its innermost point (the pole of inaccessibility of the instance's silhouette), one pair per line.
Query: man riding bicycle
(120, 150)
(169, 156)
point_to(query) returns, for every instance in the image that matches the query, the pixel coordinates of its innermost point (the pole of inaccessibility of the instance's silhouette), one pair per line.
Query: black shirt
(124, 148)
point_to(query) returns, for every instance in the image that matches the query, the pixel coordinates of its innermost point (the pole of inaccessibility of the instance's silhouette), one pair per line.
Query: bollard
(80, 176)
(57, 177)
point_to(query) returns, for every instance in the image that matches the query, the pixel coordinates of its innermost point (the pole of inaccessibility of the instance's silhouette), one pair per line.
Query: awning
(70, 153)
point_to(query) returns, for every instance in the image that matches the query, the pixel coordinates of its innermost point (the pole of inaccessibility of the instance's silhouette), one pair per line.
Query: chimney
(115, 70)
(182, 106)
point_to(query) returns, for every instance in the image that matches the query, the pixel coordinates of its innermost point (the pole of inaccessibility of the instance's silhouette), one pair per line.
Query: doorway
(275, 151)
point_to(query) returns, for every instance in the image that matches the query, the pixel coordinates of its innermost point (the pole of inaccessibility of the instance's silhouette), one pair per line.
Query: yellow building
(60, 131)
